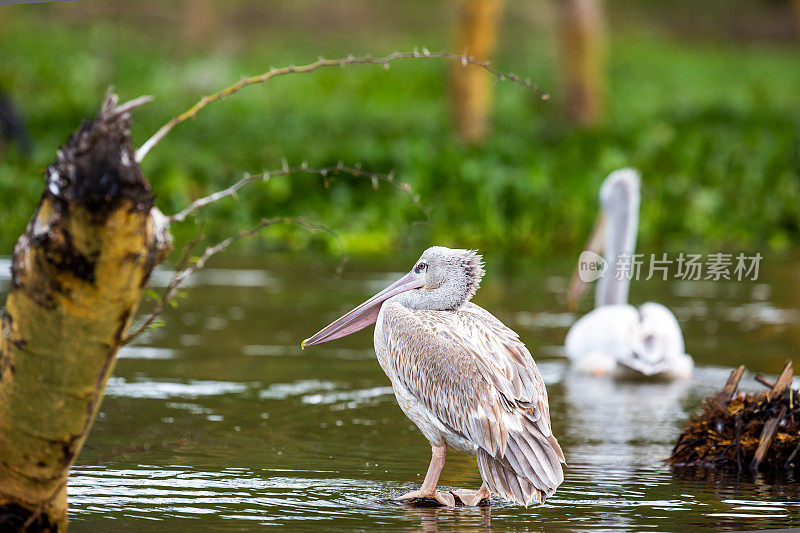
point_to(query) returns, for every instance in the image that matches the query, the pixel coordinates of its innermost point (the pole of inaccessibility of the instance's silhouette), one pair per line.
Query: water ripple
(280, 391)
(171, 389)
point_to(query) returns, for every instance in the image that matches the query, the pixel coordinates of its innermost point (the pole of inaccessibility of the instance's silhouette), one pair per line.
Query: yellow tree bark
(583, 59)
(471, 85)
(78, 273)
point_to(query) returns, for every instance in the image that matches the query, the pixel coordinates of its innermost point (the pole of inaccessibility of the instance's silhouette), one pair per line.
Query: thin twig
(738, 445)
(180, 277)
(305, 169)
(321, 62)
(725, 396)
(792, 456)
(132, 104)
(764, 381)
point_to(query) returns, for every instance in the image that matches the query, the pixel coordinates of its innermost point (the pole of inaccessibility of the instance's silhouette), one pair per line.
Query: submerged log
(737, 431)
(78, 273)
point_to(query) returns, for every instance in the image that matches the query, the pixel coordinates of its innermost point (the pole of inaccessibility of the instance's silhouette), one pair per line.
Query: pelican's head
(452, 277)
(442, 279)
(620, 190)
(656, 346)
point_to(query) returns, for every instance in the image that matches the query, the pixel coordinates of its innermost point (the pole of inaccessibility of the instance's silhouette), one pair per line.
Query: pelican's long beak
(366, 313)
(578, 287)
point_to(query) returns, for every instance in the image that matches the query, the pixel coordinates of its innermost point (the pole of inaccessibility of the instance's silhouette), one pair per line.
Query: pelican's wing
(478, 379)
(608, 329)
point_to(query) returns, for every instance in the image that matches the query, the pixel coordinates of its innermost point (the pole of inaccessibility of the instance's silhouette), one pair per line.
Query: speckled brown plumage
(462, 377)
(478, 390)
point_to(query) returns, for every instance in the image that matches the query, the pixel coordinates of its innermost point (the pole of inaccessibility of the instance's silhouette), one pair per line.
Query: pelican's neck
(620, 243)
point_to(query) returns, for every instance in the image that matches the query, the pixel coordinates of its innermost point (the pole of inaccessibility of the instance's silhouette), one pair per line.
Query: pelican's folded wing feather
(477, 378)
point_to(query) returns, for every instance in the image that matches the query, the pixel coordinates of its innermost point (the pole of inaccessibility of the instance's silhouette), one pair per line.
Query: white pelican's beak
(366, 313)
(578, 287)
(643, 367)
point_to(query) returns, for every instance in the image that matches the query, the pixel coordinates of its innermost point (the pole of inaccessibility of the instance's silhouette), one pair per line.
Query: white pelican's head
(656, 345)
(620, 191)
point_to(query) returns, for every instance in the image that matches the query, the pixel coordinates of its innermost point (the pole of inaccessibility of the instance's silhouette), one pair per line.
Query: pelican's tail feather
(557, 447)
(528, 471)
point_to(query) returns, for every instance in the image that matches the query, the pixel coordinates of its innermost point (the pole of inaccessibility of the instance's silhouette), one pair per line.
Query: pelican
(465, 379)
(616, 338)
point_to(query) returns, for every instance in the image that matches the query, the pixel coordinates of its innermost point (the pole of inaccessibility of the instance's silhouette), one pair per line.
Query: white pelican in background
(462, 377)
(616, 337)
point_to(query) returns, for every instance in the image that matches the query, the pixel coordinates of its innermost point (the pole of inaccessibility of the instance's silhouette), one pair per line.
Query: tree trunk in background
(797, 17)
(477, 34)
(583, 59)
(201, 22)
(78, 273)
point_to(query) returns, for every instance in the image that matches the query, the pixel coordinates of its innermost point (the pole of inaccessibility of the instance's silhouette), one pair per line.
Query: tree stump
(78, 273)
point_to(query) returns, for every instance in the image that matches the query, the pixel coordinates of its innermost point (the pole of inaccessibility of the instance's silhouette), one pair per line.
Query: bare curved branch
(302, 169)
(322, 62)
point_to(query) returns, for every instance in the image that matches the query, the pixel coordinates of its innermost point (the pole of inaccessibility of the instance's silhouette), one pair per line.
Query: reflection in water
(427, 519)
(349, 399)
(222, 277)
(614, 418)
(280, 391)
(145, 352)
(753, 315)
(745, 503)
(264, 434)
(164, 389)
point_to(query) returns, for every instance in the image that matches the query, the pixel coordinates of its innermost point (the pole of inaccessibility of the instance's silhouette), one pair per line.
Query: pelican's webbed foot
(472, 498)
(444, 498)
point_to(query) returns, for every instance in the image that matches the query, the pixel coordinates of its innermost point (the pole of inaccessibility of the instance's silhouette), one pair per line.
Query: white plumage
(621, 339)
(616, 337)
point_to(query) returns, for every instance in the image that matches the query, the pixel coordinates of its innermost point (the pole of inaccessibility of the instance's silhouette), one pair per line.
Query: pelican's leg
(471, 498)
(428, 488)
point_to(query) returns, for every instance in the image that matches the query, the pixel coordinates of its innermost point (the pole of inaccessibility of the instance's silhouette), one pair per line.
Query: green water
(218, 420)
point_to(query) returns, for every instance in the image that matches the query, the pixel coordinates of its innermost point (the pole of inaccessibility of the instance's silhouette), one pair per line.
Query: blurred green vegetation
(714, 127)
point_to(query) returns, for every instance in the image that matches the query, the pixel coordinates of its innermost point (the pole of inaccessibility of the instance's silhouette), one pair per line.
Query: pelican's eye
(421, 266)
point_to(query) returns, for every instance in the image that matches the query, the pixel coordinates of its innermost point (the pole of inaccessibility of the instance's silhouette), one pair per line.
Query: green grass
(714, 129)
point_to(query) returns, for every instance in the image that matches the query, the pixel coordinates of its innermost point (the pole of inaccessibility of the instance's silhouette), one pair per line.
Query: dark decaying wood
(726, 394)
(733, 429)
